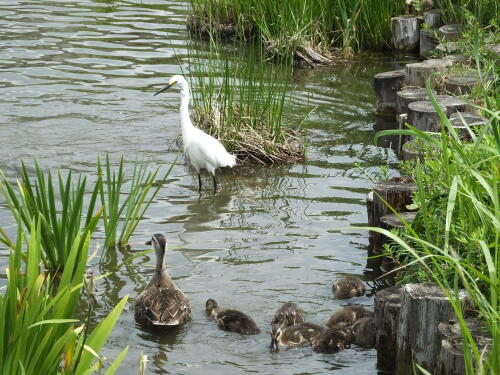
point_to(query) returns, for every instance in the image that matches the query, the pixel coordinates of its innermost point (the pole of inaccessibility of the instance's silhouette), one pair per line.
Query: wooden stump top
(390, 74)
(468, 117)
(424, 106)
(394, 186)
(413, 93)
(393, 221)
(429, 291)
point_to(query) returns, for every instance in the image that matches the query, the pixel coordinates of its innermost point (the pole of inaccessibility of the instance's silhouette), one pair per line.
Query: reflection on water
(76, 82)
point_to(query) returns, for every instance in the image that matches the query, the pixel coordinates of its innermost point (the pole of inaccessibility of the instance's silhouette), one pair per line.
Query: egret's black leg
(215, 183)
(199, 183)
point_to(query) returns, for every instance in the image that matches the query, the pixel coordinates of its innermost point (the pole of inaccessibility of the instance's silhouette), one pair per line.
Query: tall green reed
(240, 100)
(122, 215)
(60, 207)
(38, 332)
(299, 26)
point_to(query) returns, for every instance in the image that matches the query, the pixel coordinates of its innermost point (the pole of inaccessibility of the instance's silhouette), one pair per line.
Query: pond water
(76, 82)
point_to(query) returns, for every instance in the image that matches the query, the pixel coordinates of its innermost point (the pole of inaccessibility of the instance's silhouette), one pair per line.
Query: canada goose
(297, 334)
(231, 320)
(287, 315)
(364, 332)
(332, 340)
(347, 316)
(161, 304)
(202, 150)
(348, 287)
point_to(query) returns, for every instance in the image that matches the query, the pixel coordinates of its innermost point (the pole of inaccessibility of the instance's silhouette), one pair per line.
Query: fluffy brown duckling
(161, 304)
(364, 332)
(287, 315)
(348, 287)
(347, 316)
(332, 340)
(297, 334)
(231, 320)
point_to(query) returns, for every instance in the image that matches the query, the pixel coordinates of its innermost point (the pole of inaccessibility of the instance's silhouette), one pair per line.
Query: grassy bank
(455, 238)
(308, 30)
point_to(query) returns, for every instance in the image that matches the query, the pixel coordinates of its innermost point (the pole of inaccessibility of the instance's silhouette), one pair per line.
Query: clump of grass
(38, 332)
(125, 213)
(308, 30)
(240, 100)
(58, 206)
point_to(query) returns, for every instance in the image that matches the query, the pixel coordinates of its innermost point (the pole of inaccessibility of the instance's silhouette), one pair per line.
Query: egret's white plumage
(202, 150)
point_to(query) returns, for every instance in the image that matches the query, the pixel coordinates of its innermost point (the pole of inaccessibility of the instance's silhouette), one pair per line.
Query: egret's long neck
(186, 124)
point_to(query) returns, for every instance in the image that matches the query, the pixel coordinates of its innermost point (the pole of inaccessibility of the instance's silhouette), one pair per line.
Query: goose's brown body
(161, 304)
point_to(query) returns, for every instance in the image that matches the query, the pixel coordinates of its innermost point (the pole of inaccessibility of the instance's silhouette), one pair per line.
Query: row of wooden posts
(416, 323)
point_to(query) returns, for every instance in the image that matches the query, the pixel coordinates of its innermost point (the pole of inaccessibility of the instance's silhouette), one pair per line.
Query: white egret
(202, 150)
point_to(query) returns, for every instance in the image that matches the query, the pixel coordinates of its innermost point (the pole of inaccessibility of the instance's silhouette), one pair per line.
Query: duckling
(231, 320)
(161, 304)
(347, 316)
(348, 287)
(364, 332)
(287, 315)
(297, 334)
(333, 340)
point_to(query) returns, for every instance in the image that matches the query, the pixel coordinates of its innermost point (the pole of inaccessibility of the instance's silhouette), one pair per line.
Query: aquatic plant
(305, 29)
(62, 219)
(39, 333)
(240, 100)
(125, 213)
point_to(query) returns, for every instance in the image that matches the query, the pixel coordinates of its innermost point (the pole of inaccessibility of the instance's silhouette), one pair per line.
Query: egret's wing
(203, 147)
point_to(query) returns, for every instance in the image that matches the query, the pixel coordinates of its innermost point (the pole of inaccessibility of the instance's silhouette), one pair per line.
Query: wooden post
(428, 41)
(451, 355)
(452, 104)
(389, 222)
(417, 73)
(386, 85)
(432, 18)
(405, 33)
(463, 129)
(409, 95)
(387, 308)
(462, 84)
(423, 307)
(398, 194)
(423, 116)
(450, 33)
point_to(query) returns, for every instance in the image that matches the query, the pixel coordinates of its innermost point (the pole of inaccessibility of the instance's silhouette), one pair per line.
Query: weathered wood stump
(465, 125)
(398, 194)
(462, 84)
(432, 18)
(447, 47)
(456, 58)
(386, 123)
(387, 308)
(423, 116)
(452, 104)
(389, 222)
(423, 307)
(386, 85)
(451, 355)
(405, 33)
(417, 73)
(417, 149)
(428, 41)
(450, 33)
(409, 95)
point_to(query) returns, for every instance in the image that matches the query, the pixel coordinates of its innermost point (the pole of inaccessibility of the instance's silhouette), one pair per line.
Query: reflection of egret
(202, 150)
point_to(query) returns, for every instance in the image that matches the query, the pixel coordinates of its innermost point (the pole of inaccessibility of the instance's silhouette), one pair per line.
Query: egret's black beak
(149, 242)
(163, 88)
